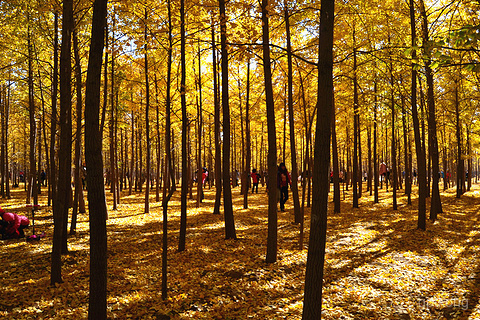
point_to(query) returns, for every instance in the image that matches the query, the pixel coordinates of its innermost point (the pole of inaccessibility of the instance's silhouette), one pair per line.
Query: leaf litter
(378, 265)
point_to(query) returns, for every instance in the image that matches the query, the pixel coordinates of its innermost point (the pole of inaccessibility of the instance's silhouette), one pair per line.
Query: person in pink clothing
(204, 175)
(13, 224)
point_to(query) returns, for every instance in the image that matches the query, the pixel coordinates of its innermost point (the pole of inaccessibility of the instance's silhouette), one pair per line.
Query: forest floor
(378, 265)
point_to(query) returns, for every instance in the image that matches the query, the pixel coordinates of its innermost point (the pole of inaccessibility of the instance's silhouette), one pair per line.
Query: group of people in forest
(283, 181)
(12, 225)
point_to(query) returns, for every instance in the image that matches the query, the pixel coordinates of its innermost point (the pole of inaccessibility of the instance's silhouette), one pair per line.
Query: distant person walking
(43, 177)
(255, 180)
(283, 180)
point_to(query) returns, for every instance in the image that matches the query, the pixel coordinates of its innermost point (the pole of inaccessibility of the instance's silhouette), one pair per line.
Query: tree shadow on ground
(217, 278)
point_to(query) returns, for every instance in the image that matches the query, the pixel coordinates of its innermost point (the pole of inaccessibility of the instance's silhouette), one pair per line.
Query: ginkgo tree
(234, 86)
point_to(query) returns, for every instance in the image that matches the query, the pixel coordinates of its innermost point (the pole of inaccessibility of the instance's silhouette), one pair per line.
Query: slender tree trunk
(60, 208)
(291, 120)
(125, 158)
(105, 84)
(6, 121)
(419, 147)
(122, 161)
(375, 154)
(53, 126)
(141, 176)
(168, 159)
(131, 176)
(3, 148)
(369, 165)
(137, 158)
(227, 191)
(248, 137)
(408, 169)
(356, 139)
(97, 308)
(469, 161)
(312, 304)
(183, 195)
(336, 171)
(218, 154)
(272, 139)
(113, 149)
(360, 170)
(39, 137)
(435, 204)
(32, 190)
(393, 145)
(424, 143)
(3, 172)
(460, 161)
(199, 133)
(159, 150)
(147, 119)
(117, 176)
(189, 163)
(78, 200)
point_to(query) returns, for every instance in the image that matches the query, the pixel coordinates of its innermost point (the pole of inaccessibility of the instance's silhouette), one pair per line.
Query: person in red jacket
(13, 224)
(283, 180)
(255, 179)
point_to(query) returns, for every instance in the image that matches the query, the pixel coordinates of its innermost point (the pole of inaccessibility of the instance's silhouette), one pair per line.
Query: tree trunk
(460, 161)
(122, 161)
(312, 305)
(291, 120)
(39, 135)
(199, 133)
(272, 139)
(419, 147)
(469, 161)
(78, 200)
(117, 175)
(408, 169)
(183, 195)
(105, 84)
(60, 208)
(393, 145)
(32, 190)
(131, 176)
(336, 170)
(141, 177)
(248, 137)
(97, 307)
(53, 126)
(168, 159)
(356, 142)
(6, 122)
(227, 191)
(3, 173)
(435, 204)
(147, 119)
(137, 158)
(159, 152)
(112, 124)
(369, 160)
(375, 155)
(218, 155)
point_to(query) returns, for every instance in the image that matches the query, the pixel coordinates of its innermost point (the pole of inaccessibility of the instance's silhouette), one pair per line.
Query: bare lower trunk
(97, 308)
(312, 306)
